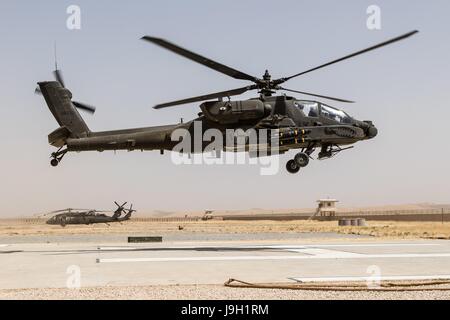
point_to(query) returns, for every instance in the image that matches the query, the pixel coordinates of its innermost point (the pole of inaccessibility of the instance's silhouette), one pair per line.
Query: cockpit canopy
(335, 114)
(314, 109)
(309, 108)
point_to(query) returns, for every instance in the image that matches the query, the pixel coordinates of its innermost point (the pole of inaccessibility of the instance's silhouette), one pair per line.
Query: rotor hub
(266, 85)
(267, 77)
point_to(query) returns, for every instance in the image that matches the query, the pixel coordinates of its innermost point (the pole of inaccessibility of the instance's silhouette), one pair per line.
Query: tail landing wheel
(54, 162)
(57, 157)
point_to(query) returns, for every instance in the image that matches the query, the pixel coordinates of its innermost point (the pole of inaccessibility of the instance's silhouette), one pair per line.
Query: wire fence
(170, 219)
(394, 212)
(40, 221)
(29, 221)
(273, 216)
(438, 214)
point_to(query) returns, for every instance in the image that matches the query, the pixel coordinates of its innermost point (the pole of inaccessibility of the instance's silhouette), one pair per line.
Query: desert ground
(192, 245)
(376, 229)
(214, 292)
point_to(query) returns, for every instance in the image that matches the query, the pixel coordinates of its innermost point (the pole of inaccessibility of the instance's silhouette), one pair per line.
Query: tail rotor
(121, 209)
(57, 73)
(130, 211)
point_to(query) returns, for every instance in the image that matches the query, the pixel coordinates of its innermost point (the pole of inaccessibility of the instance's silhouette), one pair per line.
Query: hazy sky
(403, 88)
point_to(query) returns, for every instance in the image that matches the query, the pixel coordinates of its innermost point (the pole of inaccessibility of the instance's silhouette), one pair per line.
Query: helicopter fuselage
(300, 123)
(70, 217)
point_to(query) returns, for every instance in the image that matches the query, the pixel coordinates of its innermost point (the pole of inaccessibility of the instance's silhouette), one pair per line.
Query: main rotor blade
(85, 107)
(407, 35)
(200, 59)
(217, 95)
(317, 95)
(68, 209)
(58, 76)
(58, 211)
(42, 215)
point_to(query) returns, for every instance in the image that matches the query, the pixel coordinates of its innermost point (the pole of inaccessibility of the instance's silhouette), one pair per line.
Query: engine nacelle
(234, 111)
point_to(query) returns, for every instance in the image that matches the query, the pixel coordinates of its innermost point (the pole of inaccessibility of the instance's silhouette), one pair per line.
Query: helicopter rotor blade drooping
(266, 85)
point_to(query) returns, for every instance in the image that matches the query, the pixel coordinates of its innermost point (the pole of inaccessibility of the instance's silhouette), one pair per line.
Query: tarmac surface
(171, 237)
(196, 261)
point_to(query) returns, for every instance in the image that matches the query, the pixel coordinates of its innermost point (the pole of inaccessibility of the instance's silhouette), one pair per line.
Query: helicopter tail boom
(59, 102)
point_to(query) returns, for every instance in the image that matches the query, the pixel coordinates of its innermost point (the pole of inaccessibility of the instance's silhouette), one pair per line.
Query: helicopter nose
(372, 132)
(369, 129)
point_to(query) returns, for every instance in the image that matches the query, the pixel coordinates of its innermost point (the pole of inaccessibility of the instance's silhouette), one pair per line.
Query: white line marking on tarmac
(116, 248)
(335, 255)
(323, 252)
(4, 245)
(354, 245)
(370, 278)
(287, 247)
(229, 258)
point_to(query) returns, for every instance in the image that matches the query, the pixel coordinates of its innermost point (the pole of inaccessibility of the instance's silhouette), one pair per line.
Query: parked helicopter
(85, 216)
(303, 125)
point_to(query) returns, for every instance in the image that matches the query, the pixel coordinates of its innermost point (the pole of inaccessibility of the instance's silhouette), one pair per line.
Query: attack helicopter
(304, 125)
(87, 217)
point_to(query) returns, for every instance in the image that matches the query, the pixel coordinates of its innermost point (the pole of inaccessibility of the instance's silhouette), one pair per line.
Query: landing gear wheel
(54, 162)
(302, 159)
(57, 157)
(292, 167)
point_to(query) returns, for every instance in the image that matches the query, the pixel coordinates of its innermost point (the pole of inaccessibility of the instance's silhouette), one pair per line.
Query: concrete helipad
(50, 265)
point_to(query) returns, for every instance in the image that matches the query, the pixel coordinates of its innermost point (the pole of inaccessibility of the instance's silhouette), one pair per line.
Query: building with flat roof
(326, 207)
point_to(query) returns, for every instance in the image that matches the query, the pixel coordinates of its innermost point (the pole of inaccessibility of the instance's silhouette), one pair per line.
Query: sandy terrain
(388, 229)
(212, 292)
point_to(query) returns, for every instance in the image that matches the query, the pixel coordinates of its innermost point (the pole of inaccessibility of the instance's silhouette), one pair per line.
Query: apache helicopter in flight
(86, 216)
(303, 125)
